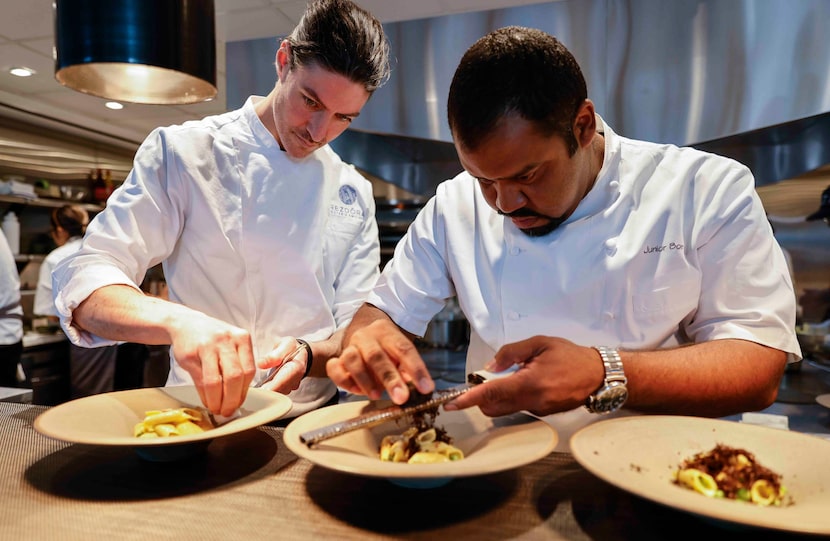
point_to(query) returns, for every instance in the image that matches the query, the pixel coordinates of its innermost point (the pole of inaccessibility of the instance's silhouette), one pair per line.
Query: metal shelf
(47, 203)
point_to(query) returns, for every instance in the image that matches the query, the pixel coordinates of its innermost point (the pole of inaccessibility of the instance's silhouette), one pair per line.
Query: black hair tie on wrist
(309, 356)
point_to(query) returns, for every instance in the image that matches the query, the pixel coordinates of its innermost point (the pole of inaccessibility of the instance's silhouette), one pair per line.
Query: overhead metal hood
(745, 78)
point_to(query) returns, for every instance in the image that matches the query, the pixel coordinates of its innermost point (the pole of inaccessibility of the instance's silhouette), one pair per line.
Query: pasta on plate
(726, 472)
(417, 446)
(171, 422)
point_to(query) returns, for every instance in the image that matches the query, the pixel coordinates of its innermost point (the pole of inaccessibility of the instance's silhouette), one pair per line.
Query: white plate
(639, 454)
(489, 444)
(109, 418)
(824, 400)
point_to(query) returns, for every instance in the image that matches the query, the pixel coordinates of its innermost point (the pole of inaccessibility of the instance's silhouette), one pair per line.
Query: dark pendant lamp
(140, 51)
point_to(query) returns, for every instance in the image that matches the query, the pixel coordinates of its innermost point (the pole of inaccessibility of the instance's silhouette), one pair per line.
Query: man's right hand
(378, 356)
(219, 357)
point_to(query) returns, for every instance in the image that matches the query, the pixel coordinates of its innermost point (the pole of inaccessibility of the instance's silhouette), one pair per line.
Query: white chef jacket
(245, 233)
(44, 304)
(11, 313)
(670, 246)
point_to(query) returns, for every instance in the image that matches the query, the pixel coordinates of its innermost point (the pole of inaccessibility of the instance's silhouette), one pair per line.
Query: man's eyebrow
(527, 168)
(313, 95)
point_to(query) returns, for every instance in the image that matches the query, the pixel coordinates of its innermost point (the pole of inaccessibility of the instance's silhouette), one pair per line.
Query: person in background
(265, 235)
(91, 370)
(604, 271)
(11, 317)
(815, 303)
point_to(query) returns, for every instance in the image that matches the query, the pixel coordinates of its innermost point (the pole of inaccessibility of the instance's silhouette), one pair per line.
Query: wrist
(613, 392)
(309, 355)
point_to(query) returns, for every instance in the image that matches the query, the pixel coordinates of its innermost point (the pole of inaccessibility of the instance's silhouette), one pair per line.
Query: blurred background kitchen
(748, 79)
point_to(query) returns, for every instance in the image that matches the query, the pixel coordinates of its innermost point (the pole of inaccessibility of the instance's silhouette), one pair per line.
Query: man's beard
(538, 231)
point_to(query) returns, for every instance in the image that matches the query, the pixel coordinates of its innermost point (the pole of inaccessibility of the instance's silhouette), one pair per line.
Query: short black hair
(344, 38)
(515, 70)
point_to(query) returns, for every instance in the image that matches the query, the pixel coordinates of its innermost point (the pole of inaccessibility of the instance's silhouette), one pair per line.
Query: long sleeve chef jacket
(246, 234)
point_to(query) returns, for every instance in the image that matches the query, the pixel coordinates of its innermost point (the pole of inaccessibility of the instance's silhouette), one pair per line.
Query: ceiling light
(140, 51)
(114, 105)
(22, 71)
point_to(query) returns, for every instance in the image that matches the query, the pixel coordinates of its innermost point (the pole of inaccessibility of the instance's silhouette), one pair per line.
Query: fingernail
(450, 407)
(490, 366)
(398, 394)
(424, 385)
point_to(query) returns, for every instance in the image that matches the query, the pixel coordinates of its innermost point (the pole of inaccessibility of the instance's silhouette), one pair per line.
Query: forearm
(119, 312)
(714, 378)
(366, 315)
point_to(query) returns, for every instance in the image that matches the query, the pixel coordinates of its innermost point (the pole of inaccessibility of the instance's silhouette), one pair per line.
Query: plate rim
(708, 508)
(403, 471)
(280, 403)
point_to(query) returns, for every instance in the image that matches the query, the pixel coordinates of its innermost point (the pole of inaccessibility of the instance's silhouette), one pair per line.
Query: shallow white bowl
(489, 444)
(640, 454)
(109, 418)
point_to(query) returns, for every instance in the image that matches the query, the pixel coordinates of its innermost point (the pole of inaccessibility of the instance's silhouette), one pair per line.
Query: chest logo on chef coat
(348, 195)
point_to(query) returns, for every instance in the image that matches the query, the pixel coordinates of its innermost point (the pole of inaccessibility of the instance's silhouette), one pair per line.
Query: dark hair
(515, 70)
(344, 38)
(72, 218)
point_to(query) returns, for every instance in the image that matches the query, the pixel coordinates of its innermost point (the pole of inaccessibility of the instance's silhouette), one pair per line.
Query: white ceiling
(26, 39)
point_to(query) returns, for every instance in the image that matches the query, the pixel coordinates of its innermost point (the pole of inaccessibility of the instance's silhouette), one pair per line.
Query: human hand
(554, 375)
(218, 356)
(290, 367)
(379, 356)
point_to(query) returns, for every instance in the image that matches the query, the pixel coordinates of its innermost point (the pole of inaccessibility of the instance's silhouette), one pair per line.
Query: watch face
(610, 398)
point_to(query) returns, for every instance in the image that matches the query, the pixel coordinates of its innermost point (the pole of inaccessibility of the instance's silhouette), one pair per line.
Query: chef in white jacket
(610, 272)
(11, 317)
(265, 236)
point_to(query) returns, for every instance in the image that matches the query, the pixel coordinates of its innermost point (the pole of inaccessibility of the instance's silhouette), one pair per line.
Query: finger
(517, 353)
(384, 370)
(409, 364)
(494, 398)
(211, 381)
(360, 362)
(286, 379)
(340, 376)
(238, 370)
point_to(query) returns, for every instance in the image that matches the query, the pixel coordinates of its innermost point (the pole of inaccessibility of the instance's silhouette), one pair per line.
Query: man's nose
(509, 198)
(318, 126)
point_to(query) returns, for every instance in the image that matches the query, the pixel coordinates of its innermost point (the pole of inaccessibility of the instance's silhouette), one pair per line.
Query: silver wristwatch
(613, 392)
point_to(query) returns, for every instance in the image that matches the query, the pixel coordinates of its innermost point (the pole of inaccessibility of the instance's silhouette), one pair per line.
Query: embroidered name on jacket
(669, 246)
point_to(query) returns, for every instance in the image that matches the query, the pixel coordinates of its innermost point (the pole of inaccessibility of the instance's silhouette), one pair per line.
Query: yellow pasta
(726, 472)
(419, 447)
(171, 422)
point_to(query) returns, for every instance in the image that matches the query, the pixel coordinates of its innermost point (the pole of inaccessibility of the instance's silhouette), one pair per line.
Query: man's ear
(585, 123)
(283, 58)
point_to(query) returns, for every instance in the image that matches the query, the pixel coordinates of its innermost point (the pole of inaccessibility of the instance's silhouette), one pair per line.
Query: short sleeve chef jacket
(246, 234)
(670, 246)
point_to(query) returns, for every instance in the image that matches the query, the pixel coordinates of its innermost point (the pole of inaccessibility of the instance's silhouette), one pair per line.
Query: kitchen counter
(249, 485)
